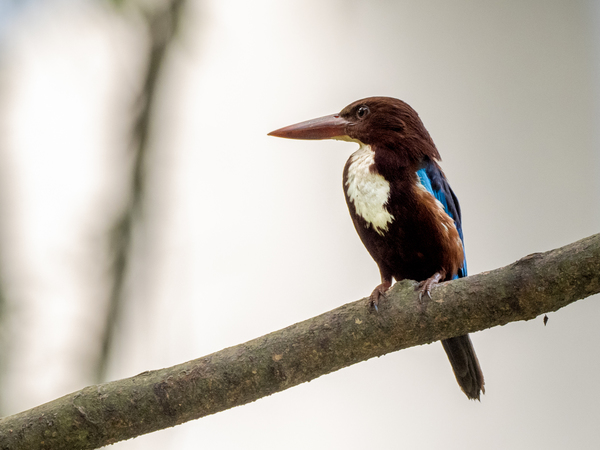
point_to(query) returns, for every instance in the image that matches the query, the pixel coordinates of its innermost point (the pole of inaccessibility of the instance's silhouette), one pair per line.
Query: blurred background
(146, 219)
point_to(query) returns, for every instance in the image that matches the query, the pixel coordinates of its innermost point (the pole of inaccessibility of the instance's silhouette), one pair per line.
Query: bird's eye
(362, 112)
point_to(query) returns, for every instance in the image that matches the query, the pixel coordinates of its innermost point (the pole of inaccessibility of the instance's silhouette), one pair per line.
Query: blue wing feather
(433, 179)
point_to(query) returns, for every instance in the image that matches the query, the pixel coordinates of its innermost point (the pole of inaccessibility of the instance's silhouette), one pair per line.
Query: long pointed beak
(327, 127)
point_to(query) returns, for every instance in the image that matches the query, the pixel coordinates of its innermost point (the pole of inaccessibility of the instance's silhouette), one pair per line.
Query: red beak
(327, 127)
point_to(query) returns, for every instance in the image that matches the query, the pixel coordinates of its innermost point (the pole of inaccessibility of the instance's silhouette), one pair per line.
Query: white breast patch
(368, 191)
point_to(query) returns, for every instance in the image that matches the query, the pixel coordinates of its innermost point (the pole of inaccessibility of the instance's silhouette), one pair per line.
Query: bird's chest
(402, 225)
(367, 192)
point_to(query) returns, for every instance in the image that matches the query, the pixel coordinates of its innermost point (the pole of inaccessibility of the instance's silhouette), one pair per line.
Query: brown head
(386, 124)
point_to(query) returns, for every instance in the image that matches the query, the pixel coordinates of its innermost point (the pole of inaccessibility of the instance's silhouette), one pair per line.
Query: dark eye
(362, 112)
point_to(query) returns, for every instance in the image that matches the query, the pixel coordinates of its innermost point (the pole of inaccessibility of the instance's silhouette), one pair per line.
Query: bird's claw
(425, 286)
(377, 293)
(428, 292)
(374, 299)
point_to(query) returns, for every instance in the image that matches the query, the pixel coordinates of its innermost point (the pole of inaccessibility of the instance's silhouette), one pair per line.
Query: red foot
(377, 293)
(425, 286)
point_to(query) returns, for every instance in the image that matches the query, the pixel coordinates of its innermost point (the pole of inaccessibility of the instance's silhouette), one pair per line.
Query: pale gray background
(247, 234)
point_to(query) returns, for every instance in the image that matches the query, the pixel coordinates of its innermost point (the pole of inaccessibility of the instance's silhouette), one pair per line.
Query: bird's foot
(425, 286)
(377, 293)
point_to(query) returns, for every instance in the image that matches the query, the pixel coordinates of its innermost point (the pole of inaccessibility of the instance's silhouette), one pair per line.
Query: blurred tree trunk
(111, 412)
(162, 23)
(3, 338)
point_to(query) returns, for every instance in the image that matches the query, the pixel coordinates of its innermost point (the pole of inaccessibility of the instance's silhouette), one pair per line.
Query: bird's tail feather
(465, 365)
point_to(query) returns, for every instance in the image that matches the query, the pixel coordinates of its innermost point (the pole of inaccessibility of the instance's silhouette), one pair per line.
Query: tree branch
(108, 413)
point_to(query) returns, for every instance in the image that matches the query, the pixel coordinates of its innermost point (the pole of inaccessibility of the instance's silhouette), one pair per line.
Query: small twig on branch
(108, 413)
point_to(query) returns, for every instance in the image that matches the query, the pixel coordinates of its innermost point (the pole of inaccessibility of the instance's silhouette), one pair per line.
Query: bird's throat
(367, 191)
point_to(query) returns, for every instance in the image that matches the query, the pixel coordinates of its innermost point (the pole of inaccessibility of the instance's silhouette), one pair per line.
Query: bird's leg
(380, 290)
(425, 286)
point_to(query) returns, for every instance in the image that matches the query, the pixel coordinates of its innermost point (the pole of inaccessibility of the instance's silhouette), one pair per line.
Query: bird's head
(388, 125)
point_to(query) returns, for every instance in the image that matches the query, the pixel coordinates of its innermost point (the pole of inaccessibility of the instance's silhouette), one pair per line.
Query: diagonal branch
(108, 413)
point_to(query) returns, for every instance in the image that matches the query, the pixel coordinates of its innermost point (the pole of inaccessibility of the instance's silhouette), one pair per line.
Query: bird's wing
(433, 179)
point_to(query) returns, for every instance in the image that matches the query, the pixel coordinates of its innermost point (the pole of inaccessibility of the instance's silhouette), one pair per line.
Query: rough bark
(107, 413)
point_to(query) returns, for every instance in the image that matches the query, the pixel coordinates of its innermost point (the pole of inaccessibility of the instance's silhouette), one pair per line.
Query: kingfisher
(402, 206)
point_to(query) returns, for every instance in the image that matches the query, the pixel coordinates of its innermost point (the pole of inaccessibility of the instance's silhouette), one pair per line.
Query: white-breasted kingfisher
(402, 206)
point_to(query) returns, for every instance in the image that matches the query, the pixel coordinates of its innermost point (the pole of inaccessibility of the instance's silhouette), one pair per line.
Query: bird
(402, 206)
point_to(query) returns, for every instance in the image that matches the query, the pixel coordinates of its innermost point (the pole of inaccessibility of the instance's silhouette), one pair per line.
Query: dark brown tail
(465, 365)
